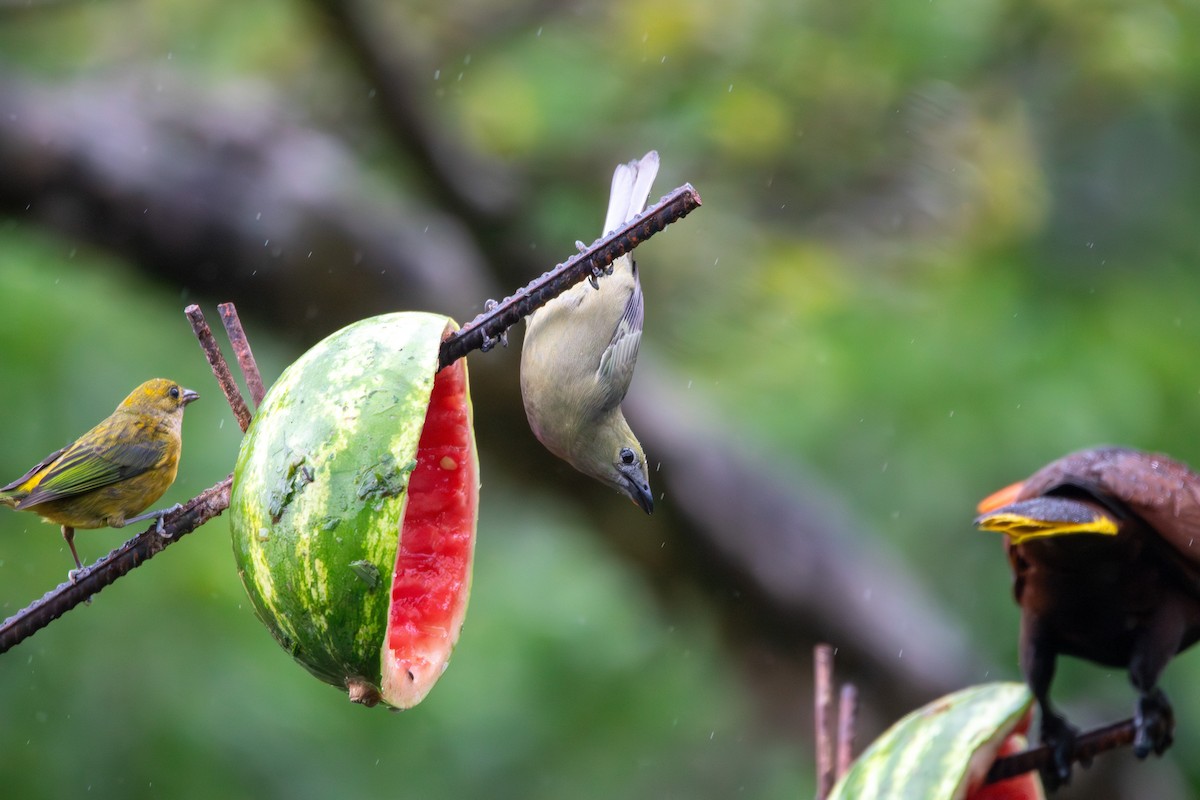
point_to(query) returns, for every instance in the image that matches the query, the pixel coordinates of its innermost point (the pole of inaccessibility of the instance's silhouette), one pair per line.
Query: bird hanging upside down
(1104, 546)
(112, 472)
(579, 353)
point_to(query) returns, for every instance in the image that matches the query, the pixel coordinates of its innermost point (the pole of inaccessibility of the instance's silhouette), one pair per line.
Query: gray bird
(579, 354)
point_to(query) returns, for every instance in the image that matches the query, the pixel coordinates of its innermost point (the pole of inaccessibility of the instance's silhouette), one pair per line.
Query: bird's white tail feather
(630, 190)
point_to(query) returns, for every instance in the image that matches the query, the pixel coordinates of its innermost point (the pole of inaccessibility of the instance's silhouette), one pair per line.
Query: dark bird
(114, 471)
(1104, 546)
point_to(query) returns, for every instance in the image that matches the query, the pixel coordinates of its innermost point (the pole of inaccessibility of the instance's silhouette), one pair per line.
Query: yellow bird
(112, 472)
(579, 353)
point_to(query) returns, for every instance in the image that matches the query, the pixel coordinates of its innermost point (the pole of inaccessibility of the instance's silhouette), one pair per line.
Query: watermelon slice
(354, 506)
(944, 750)
(433, 566)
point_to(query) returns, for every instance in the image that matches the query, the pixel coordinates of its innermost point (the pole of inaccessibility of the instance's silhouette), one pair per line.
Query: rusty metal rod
(487, 328)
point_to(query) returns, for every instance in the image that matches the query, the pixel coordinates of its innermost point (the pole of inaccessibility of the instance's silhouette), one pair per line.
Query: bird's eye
(174, 392)
(627, 456)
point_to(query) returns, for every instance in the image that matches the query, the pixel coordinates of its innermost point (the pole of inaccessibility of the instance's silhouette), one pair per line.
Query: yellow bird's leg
(155, 515)
(69, 534)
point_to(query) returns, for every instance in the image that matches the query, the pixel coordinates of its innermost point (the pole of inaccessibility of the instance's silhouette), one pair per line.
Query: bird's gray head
(615, 457)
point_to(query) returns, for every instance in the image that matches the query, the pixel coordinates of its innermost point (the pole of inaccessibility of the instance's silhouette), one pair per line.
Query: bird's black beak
(644, 499)
(189, 397)
(638, 489)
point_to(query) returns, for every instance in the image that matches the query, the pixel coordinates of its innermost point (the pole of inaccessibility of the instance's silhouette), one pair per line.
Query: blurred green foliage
(942, 243)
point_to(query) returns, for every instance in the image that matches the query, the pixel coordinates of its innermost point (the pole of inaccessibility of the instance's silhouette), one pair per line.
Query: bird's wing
(1165, 493)
(84, 467)
(630, 190)
(617, 362)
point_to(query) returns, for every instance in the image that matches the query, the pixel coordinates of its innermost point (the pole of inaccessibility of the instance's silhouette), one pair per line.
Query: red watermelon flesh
(432, 578)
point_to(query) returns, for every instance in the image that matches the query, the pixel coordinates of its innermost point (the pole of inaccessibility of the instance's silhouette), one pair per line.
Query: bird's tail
(7, 500)
(630, 190)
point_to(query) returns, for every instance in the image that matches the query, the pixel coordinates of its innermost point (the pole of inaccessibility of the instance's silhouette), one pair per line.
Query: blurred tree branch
(226, 197)
(473, 188)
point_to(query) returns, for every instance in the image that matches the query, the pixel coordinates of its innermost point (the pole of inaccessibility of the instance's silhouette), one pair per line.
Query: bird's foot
(1154, 724)
(488, 305)
(487, 344)
(580, 246)
(73, 577)
(159, 525)
(598, 273)
(1060, 738)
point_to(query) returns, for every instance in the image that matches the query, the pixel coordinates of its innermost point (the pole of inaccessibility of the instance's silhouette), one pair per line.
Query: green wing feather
(84, 467)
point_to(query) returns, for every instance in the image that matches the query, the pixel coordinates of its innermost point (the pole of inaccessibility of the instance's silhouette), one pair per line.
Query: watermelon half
(354, 505)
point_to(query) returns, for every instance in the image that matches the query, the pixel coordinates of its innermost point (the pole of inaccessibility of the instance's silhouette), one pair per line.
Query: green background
(941, 244)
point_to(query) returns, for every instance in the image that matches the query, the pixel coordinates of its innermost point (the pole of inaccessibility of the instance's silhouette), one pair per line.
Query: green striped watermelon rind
(318, 494)
(938, 751)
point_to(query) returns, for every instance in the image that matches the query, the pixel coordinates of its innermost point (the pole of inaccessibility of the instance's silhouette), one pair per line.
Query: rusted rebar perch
(1087, 745)
(41, 612)
(487, 328)
(212, 351)
(823, 717)
(241, 351)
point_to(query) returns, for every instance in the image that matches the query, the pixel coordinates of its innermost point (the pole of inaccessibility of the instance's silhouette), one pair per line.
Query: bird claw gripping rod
(492, 325)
